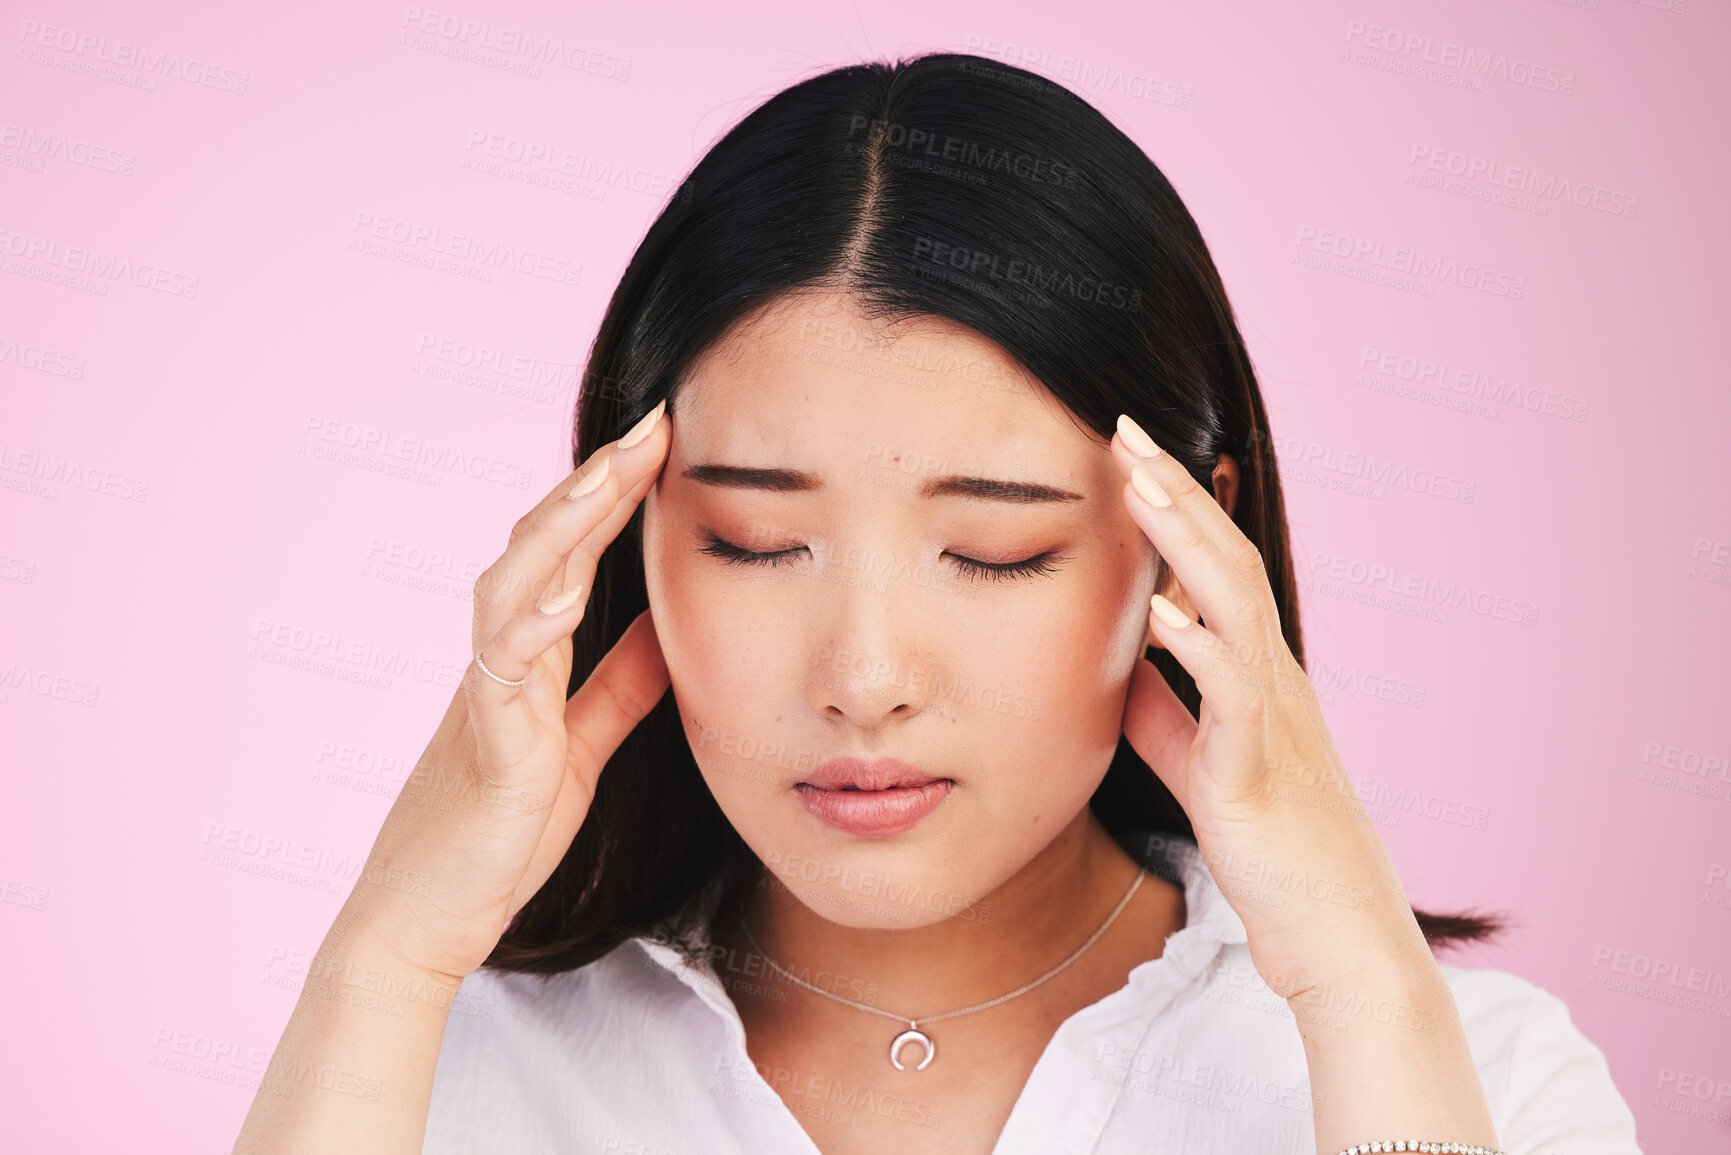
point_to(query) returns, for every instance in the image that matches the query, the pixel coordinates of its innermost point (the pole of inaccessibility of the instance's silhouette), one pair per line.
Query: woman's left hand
(1276, 818)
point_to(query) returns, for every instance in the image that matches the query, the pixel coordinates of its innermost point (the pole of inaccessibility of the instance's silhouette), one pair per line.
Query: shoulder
(525, 1057)
(496, 1009)
(1548, 1085)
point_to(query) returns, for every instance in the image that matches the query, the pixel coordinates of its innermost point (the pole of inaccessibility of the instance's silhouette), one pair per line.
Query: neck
(1036, 919)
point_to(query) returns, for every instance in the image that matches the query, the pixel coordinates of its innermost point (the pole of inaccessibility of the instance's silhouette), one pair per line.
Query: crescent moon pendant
(913, 1036)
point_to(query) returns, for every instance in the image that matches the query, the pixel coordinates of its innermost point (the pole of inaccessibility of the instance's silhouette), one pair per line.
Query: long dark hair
(947, 185)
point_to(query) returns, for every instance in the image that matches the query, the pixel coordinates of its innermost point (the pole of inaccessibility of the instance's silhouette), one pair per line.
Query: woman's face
(891, 621)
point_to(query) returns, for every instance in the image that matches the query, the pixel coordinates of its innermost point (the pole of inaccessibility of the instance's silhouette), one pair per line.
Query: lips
(878, 797)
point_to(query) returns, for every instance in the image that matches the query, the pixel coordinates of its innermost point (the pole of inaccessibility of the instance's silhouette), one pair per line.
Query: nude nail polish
(1148, 488)
(1135, 439)
(642, 429)
(591, 481)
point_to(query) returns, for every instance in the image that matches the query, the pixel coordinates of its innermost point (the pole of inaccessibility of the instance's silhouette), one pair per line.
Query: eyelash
(1039, 565)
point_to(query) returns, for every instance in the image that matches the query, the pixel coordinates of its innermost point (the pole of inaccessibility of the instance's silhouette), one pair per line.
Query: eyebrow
(953, 485)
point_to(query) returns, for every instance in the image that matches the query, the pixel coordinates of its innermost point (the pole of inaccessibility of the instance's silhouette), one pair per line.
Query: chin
(901, 883)
(898, 909)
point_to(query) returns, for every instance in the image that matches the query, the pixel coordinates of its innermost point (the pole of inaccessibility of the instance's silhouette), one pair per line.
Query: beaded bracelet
(1415, 1145)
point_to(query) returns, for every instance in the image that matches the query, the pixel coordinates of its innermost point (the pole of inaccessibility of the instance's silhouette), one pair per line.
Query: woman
(957, 513)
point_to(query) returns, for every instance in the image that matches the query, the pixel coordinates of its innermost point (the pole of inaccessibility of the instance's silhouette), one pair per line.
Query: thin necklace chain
(745, 925)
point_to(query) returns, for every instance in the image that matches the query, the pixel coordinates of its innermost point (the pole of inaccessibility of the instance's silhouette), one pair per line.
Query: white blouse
(641, 1053)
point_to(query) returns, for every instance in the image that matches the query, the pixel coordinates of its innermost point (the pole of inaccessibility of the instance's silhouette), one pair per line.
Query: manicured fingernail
(559, 603)
(591, 481)
(1167, 612)
(1135, 439)
(1148, 488)
(641, 430)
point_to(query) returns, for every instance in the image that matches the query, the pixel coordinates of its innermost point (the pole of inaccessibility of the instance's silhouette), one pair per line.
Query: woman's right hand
(493, 804)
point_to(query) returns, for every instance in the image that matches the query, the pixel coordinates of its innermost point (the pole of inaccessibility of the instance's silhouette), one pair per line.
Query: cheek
(1113, 615)
(677, 594)
(1058, 675)
(718, 642)
(1073, 655)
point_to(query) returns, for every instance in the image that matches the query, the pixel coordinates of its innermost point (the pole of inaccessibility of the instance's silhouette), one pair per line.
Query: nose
(872, 661)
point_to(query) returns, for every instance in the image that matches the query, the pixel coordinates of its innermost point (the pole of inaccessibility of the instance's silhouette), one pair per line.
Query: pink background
(221, 627)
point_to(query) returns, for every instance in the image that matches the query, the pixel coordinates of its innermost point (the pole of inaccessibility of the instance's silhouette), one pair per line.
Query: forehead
(812, 378)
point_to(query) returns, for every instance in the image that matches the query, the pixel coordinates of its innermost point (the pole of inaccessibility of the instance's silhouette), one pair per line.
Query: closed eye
(733, 555)
(1039, 565)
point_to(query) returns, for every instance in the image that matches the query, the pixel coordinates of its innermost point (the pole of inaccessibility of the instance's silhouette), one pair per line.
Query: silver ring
(496, 677)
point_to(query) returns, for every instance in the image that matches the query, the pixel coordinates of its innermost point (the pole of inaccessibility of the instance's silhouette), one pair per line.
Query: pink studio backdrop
(1478, 251)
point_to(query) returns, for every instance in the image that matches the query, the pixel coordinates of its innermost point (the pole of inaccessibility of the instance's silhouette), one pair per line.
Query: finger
(649, 422)
(558, 543)
(1219, 568)
(1133, 446)
(625, 685)
(512, 685)
(1159, 728)
(1234, 691)
(511, 681)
